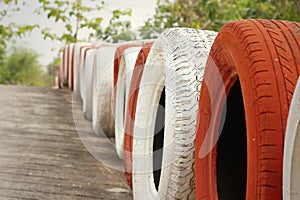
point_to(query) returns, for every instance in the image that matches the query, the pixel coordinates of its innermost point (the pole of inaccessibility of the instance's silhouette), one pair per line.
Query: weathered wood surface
(41, 155)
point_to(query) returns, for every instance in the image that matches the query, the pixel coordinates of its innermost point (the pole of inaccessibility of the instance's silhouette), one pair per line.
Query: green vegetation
(21, 66)
(118, 29)
(213, 14)
(11, 29)
(66, 12)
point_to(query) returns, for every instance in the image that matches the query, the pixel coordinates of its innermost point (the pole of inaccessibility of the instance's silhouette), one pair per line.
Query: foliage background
(20, 66)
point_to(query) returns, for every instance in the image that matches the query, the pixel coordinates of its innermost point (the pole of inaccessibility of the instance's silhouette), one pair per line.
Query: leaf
(69, 27)
(7, 1)
(98, 20)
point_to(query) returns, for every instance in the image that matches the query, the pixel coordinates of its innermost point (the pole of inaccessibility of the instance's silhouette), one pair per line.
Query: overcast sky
(141, 10)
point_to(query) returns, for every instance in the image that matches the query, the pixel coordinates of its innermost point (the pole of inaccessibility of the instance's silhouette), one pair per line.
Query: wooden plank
(42, 156)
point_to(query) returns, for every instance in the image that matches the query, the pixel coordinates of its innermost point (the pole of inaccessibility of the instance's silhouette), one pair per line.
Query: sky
(47, 49)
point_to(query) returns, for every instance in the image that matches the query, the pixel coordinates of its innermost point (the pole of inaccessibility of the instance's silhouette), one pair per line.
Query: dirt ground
(42, 155)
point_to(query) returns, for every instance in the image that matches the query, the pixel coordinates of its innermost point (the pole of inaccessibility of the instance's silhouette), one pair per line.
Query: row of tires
(197, 114)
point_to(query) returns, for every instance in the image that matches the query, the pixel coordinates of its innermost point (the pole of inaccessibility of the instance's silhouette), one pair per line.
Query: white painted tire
(103, 87)
(88, 70)
(63, 65)
(78, 59)
(122, 89)
(66, 65)
(87, 83)
(176, 62)
(291, 159)
(71, 66)
(87, 53)
(102, 111)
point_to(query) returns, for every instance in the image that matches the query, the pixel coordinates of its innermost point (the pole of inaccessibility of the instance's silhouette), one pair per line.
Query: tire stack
(257, 62)
(197, 114)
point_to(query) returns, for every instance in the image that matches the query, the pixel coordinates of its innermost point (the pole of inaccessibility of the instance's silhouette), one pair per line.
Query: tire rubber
(87, 83)
(291, 158)
(62, 68)
(66, 65)
(77, 66)
(103, 88)
(102, 109)
(126, 66)
(71, 66)
(58, 77)
(87, 52)
(131, 108)
(118, 57)
(60, 71)
(263, 55)
(175, 65)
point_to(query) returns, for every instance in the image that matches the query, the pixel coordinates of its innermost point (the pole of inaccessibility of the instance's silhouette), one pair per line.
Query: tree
(22, 68)
(213, 14)
(2, 56)
(7, 31)
(118, 29)
(76, 16)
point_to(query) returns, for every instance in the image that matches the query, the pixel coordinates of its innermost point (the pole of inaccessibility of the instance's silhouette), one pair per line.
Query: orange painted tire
(66, 65)
(257, 63)
(126, 68)
(77, 66)
(66, 77)
(131, 108)
(118, 56)
(58, 76)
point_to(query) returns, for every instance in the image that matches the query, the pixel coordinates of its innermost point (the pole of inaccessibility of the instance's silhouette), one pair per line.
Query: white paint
(291, 158)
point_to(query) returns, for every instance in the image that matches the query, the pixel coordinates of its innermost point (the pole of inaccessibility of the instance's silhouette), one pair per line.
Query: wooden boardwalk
(41, 155)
